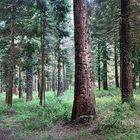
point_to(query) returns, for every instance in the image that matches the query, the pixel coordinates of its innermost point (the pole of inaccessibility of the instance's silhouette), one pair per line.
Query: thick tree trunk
(116, 66)
(84, 101)
(99, 67)
(126, 64)
(12, 53)
(105, 80)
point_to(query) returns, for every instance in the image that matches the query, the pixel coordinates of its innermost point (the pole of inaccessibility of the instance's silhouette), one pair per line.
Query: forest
(69, 70)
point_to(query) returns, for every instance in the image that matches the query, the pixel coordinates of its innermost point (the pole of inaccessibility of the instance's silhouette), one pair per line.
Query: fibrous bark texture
(84, 101)
(126, 64)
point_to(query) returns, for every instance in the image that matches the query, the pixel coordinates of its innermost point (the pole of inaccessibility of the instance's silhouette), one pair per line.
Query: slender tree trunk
(6, 82)
(105, 80)
(39, 82)
(126, 64)
(53, 81)
(42, 90)
(59, 80)
(12, 53)
(139, 81)
(64, 78)
(20, 83)
(99, 68)
(1, 89)
(84, 101)
(116, 65)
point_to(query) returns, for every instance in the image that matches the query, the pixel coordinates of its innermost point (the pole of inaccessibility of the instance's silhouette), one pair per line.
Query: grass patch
(116, 121)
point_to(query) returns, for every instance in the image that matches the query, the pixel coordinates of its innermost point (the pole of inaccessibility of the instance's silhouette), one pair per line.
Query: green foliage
(41, 117)
(116, 121)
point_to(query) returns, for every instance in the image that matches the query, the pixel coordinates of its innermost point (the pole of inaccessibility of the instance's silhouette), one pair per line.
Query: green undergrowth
(116, 121)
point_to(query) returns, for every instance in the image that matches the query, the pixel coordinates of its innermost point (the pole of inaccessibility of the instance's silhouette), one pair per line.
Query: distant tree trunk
(29, 82)
(99, 67)
(42, 89)
(20, 83)
(84, 101)
(6, 81)
(126, 64)
(105, 81)
(39, 82)
(64, 78)
(116, 65)
(54, 86)
(12, 53)
(1, 89)
(139, 81)
(59, 80)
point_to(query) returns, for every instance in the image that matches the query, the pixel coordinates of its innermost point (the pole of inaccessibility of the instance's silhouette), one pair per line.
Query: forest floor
(115, 121)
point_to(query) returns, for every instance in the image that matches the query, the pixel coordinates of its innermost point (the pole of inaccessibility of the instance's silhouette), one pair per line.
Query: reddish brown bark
(12, 51)
(126, 64)
(84, 101)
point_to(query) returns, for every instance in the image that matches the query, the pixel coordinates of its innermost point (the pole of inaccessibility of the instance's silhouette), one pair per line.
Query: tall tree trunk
(126, 64)
(12, 53)
(105, 80)
(116, 65)
(20, 83)
(84, 101)
(42, 89)
(99, 67)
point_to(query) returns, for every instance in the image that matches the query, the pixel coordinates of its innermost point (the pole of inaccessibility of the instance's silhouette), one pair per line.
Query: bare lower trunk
(126, 64)
(84, 101)
(105, 80)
